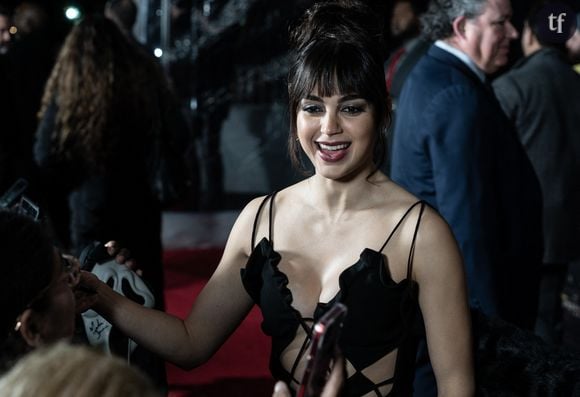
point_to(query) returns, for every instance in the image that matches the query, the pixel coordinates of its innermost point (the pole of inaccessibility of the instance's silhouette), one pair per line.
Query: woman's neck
(338, 197)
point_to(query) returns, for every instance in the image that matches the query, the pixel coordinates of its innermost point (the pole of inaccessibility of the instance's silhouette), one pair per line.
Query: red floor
(240, 367)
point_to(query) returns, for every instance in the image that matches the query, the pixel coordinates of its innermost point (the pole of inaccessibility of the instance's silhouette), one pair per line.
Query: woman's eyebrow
(349, 97)
(345, 98)
(311, 97)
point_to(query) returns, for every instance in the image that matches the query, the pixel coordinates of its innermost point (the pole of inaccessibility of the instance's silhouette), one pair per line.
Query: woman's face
(337, 133)
(58, 318)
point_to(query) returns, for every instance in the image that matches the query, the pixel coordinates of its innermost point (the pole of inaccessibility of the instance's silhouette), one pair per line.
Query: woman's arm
(438, 268)
(215, 314)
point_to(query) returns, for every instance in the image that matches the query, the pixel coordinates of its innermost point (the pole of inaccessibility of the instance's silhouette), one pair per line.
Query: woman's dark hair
(337, 47)
(26, 269)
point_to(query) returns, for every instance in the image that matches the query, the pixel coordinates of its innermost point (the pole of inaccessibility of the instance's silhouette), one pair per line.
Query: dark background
(230, 80)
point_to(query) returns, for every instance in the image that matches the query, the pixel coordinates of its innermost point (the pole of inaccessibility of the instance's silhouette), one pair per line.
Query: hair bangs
(349, 73)
(326, 67)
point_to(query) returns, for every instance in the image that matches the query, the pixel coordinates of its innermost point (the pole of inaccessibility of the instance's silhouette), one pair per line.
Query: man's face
(488, 36)
(5, 36)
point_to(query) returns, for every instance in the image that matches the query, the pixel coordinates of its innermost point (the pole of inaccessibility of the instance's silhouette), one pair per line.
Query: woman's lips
(332, 152)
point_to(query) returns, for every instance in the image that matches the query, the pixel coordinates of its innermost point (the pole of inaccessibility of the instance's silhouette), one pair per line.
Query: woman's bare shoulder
(254, 217)
(431, 227)
(243, 227)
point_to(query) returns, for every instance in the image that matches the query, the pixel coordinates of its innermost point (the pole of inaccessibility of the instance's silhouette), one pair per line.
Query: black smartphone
(28, 208)
(13, 194)
(325, 334)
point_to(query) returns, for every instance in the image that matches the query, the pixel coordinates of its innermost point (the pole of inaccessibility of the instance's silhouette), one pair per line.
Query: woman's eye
(311, 109)
(352, 109)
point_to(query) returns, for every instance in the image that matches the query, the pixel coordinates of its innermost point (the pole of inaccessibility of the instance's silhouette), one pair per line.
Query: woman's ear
(30, 328)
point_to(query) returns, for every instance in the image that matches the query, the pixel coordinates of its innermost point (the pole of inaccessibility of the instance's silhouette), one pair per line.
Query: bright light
(72, 13)
(13, 30)
(158, 52)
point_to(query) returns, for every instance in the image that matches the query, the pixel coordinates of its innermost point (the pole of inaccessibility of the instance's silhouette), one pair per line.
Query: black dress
(383, 316)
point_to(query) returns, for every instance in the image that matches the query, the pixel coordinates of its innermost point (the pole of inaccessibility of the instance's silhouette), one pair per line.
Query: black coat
(541, 96)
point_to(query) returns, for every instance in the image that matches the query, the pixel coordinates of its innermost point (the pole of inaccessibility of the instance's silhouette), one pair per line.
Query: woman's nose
(330, 124)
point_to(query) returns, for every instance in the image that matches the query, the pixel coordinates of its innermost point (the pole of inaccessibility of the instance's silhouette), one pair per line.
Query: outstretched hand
(86, 284)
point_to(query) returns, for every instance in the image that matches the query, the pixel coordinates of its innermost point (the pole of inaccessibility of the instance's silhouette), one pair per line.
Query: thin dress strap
(399, 224)
(412, 250)
(254, 230)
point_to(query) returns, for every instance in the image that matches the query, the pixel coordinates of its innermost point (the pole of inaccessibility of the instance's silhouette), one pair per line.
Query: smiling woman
(337, 133)
(327, 68)
(346, 234)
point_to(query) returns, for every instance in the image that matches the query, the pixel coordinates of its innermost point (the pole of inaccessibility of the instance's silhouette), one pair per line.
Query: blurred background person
(405, 29)
(108, 127)
(454, 148)
(545, 114)
(74, 370)
(105, 112)
(37, 304)
(410, 46)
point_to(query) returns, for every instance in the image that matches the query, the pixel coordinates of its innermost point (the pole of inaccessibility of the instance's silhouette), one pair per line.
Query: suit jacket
(541, 96)
(454, 148)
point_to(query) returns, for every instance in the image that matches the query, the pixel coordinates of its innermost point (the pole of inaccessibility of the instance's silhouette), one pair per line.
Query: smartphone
(325, 336)
(13, 194)
(28, 208)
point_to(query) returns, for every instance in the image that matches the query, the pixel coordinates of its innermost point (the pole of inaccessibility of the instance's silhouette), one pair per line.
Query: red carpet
(240, 367)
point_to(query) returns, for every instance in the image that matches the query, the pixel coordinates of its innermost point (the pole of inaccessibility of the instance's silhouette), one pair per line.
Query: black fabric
(383, 316)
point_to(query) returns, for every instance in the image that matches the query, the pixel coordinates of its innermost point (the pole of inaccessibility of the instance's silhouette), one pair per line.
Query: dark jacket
(454, 148)
(541, 96)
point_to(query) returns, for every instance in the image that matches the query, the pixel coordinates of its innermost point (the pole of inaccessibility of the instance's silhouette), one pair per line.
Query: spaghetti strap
(271, 227)
(412, 250)
(270, 196)
(401, 221)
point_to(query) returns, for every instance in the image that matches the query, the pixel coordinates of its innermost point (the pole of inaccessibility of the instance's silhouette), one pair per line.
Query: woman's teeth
(333, 147)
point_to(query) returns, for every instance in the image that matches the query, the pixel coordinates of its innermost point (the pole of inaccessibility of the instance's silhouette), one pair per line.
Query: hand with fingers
(88, 276)
(123, 256)
(84, 297)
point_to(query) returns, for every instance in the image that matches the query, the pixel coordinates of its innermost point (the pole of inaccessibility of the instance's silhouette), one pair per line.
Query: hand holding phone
(325, 336)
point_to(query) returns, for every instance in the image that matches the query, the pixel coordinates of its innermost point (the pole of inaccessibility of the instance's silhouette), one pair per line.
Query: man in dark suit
(454, 148)
(544, 111)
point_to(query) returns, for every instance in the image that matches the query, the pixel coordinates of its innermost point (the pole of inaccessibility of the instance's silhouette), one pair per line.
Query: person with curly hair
(107, 112)
(108, 126)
